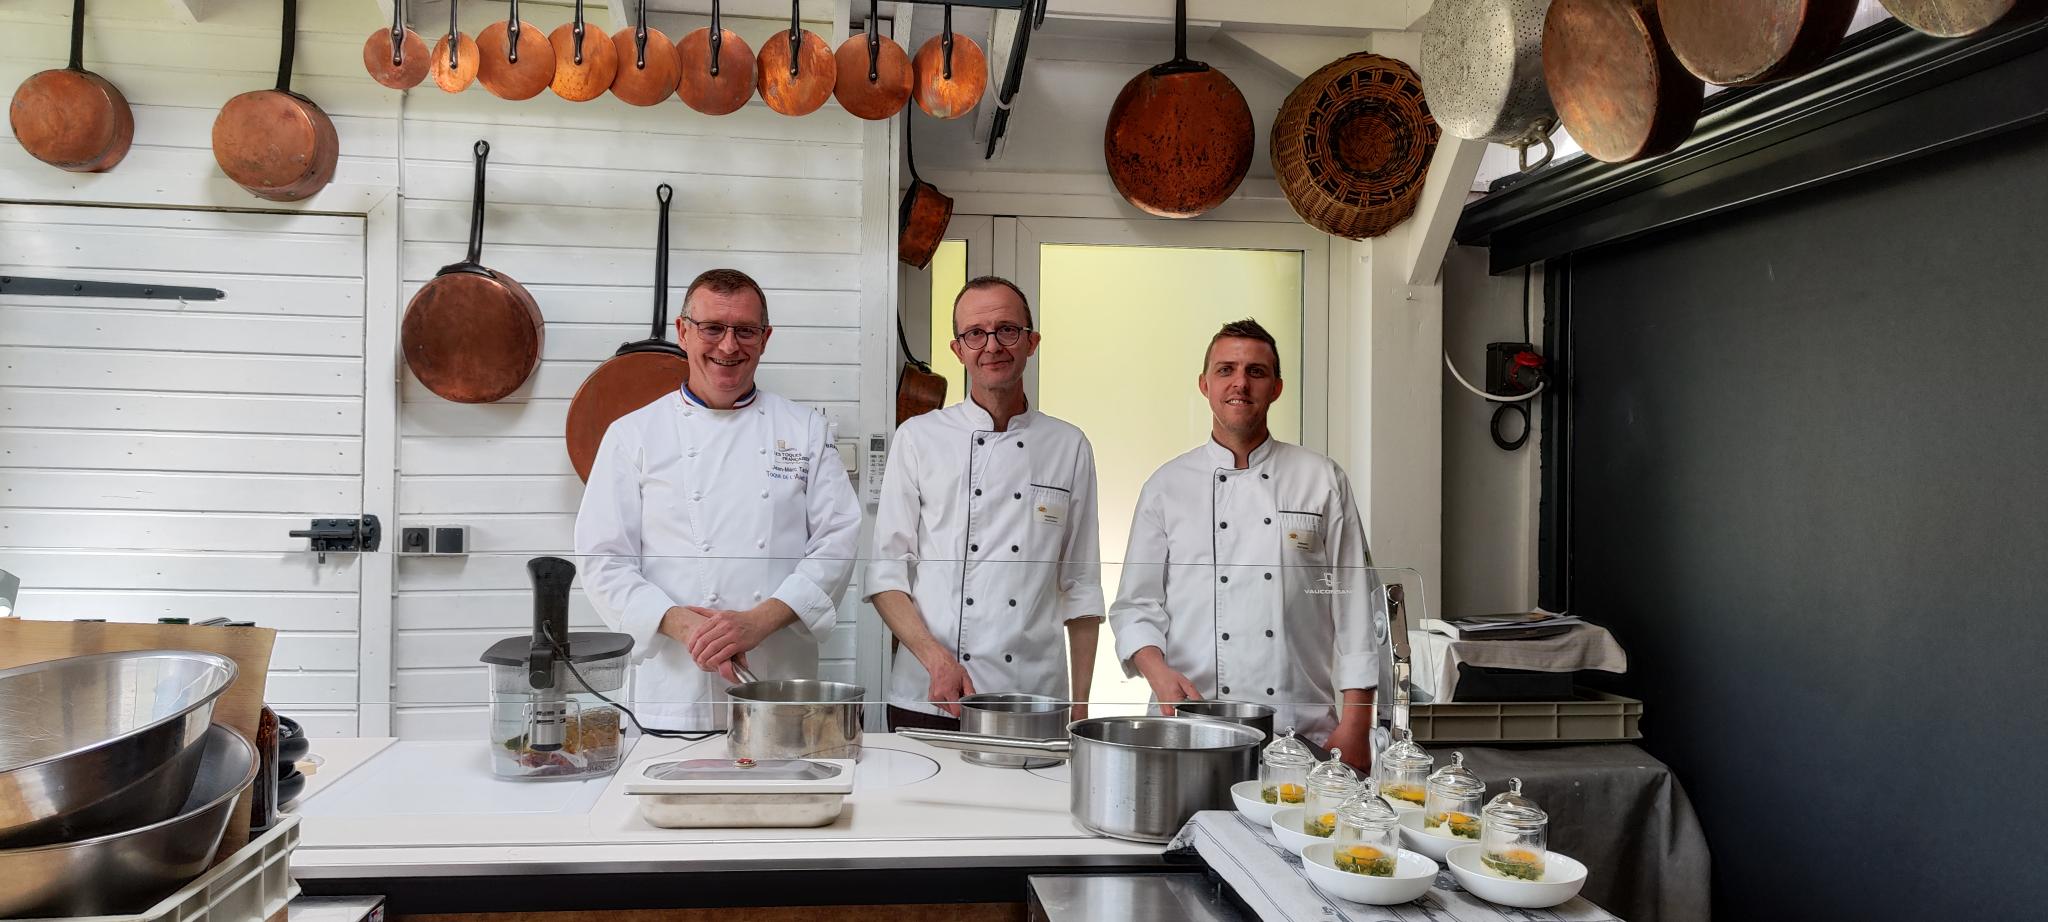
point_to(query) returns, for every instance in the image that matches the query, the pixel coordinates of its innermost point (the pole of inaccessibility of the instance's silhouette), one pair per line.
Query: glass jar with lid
(1330, 784)
(1403, 771)
(1283, 770)
(1451, 803)
(1513, 835)
(1368, 837)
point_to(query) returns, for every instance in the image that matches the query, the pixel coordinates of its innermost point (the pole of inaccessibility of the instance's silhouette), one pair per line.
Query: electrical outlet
(412, 540)
(1512, 369)
(451, 539)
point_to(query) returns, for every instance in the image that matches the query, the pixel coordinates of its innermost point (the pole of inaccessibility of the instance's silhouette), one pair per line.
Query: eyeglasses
(747, 334)
(1008, 334)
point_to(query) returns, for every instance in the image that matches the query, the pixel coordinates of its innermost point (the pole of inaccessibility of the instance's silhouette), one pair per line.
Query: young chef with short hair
(986, 549)
(718, 523)
(1246, 577)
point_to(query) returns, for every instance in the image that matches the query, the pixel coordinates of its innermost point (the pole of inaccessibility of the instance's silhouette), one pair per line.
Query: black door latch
(341, 535)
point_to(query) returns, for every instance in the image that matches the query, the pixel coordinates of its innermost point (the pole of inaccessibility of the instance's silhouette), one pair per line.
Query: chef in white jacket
(986, 553)
(718, 525)
(1246, 576)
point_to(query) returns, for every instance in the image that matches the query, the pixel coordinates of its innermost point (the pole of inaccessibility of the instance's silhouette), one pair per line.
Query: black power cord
(562, 651)
(1493, 428)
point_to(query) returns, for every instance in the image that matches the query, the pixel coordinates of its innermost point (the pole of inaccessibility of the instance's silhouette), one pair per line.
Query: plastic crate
(253, 885)
(1591, 717)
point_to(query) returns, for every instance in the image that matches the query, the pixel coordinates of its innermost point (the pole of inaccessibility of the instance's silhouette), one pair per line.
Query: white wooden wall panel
(155, 454)
(571, 215)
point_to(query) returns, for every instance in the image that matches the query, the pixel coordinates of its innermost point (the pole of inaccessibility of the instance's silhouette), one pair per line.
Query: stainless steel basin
(127, 872)
(96, 744)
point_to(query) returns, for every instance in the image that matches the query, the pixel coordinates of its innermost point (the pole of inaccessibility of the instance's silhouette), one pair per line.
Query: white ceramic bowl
(1562, 878)
(1413, 875)
(1287, 827)
(1428, 843)
(1251, 803)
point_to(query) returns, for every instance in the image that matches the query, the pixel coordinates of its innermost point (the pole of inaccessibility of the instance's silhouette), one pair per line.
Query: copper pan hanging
(949, 74)
(514, 60)
(455, 59)
(1961, 18)
(72, 118)
(1750, 42)
(796, 71)
(638, 374)
(275, 143)
(717, 68)
(648, 66)
(1179, 137)
(874, 73)
(925, 213)
(397, 57)
(1618, 88)
(585, 61)
(472, 334)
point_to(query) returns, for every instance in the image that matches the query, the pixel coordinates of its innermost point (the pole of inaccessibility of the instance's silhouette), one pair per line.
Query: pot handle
(1058, 748)
(1538, 134)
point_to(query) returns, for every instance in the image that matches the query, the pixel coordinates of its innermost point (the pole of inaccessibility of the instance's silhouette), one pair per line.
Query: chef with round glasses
(718, 526)
(986, 561)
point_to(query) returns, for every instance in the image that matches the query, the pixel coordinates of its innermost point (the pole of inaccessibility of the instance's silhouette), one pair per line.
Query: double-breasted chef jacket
(994, 536)
(1253, 582)
(693, 506)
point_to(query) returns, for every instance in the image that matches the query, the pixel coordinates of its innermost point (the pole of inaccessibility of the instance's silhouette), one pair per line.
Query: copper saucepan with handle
(585, 64)
(72, 118)
(275, 143)
(796, 71)
(717, 68)
(397, 57)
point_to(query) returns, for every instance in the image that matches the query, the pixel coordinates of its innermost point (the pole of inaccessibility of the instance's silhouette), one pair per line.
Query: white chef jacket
(994, 535)
(688, 505)
(1253, 582)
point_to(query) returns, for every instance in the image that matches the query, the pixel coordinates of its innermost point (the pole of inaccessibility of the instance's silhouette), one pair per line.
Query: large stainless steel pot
(95, 744)
(1251, 714)
(128, 871)
(1136, 778)
(1013, 715)
(794, 719)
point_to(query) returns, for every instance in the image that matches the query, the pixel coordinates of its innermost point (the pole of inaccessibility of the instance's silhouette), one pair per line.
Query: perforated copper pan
(472, 334)
(796, 71)
(514, 60)
(276, 143)
(72, 118)
(638, 374)
(585, 63)
(874, 73)
(397, 57)
(648, 66)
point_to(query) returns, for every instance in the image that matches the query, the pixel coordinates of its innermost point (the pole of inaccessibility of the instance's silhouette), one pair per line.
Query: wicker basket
(1352, 144)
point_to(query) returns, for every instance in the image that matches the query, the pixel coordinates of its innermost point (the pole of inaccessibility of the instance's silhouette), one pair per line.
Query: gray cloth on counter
(1268, 877)
(1617, 810)
(1583, 646)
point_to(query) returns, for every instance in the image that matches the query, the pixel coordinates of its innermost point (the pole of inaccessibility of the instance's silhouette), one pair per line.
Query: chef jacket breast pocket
(1301, 539)
(1051, 508)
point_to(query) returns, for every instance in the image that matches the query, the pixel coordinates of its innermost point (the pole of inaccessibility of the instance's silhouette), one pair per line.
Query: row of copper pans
(712, 69)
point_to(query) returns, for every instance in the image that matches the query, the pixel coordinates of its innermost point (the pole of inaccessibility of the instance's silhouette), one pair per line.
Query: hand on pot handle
(950, 683)
(1169, 686)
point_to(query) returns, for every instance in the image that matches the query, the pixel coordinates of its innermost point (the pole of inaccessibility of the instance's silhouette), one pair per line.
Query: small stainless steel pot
(1012, 715)
(127, 871)
(794, 719)
(1256, 716)
(100, 743)
(1136, 778)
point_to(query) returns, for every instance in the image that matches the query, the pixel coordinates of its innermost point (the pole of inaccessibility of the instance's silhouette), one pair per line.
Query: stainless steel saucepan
(794, 719)
(1136, 778)
(1252, 714)
(1016, 716)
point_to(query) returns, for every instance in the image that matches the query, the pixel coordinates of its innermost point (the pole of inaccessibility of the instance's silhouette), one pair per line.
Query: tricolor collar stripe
(691, 397)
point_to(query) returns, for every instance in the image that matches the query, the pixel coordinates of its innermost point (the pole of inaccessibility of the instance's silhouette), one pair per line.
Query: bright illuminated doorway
(1126, 309)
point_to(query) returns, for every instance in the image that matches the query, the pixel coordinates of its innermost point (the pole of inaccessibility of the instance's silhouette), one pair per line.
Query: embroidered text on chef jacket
(993, 535)
(1253, 582)
(689, 505)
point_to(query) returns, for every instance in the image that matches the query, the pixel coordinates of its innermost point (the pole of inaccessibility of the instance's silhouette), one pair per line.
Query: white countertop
(432, 808)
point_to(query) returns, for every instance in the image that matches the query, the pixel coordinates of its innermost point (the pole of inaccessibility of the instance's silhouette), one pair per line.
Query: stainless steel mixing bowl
(129, 871)
(96, 744)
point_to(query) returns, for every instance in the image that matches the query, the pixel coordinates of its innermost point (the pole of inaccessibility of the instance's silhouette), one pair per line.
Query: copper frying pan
(923, 218)
(796, 71)
(638, 374)
(648, 66)
(717, 68)
(585, 64)
(472, 334)
(949, 73)
(72, 118)
(455, 57)
(397, 57)
(1750, 42)
(514, 60)
(1618, 88)
(1179, 138)
(874, 73)
(919, 389)
(276, 143)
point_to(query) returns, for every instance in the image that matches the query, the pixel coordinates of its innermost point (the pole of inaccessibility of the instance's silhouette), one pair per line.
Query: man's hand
(1169, 686)
(725, 634)
(677, 623)
(949, 684)
(1354, 737)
